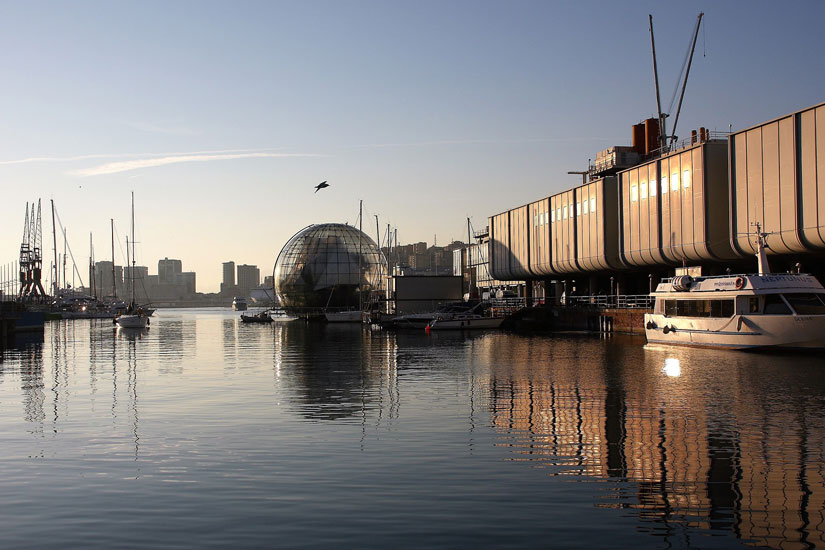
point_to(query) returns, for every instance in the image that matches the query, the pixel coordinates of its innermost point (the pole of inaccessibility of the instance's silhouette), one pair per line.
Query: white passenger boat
(763, 310)
(239, 303)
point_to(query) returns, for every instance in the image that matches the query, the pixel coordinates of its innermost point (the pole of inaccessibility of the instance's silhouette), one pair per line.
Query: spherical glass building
(326, 265)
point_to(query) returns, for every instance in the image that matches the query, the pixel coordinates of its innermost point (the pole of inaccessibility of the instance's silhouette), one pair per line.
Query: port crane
(31, 260)
(663, 135)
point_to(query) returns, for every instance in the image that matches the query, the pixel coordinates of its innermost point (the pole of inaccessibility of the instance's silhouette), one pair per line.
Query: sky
(221, 117)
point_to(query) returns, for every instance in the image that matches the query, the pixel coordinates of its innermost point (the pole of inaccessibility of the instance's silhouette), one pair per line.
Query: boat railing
(712, 277)
(600, 301)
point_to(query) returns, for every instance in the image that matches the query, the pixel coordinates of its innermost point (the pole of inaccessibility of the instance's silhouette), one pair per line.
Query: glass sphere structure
(331, 265)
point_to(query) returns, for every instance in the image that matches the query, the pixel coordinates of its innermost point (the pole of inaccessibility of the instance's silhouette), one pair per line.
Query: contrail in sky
(127, 165)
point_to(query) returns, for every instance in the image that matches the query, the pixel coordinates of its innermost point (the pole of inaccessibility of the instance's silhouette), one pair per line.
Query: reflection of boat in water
(239, 303)
(739, 311)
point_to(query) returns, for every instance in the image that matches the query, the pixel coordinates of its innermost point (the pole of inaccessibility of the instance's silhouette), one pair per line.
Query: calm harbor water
(203, 432)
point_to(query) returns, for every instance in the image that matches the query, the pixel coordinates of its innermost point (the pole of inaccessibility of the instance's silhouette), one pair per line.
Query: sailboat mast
(132, 274)
(360, 234)
(56, 281)
(114, 281)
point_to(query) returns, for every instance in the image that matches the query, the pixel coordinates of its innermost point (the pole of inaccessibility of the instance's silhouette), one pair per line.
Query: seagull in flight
(321, 186)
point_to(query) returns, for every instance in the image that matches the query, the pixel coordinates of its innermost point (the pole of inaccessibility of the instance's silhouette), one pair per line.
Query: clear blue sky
(222, 116)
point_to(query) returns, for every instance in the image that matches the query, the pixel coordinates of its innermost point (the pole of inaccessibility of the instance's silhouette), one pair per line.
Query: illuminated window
(558, 213)
(592, 204)
(578, 209)
(674, 181)
(634, 193)
(584, 207)
(564, 212)
(664, 185)
(686, 179)
(653, 188)
(552, 216)
(643, 189)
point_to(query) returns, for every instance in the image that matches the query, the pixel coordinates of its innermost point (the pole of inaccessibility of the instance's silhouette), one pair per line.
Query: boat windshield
(774, 305)
(807, 304)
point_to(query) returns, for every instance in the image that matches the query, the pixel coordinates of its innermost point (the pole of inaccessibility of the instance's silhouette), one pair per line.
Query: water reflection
(712, 440)
(338, 371)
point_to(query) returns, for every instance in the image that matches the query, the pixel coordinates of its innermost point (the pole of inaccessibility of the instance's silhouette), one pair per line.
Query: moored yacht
(239, 303)
(747, 311)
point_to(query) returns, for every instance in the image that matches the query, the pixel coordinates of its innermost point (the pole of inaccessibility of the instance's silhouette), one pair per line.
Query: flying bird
(321, 186)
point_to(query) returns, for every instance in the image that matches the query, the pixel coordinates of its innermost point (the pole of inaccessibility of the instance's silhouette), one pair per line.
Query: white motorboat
(422, 320)
(763, 310)
(239, 303)
(476, 317)
(349, 316)
(466, 321)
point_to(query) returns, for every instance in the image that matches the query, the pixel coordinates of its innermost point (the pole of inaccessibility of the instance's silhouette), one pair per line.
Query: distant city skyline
(223, 117)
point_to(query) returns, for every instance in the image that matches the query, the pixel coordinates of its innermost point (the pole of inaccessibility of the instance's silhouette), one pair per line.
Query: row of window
(772, 304)
(642, 189)
(563, 212)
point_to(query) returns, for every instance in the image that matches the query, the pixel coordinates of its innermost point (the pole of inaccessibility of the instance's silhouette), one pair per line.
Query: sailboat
(134, 317)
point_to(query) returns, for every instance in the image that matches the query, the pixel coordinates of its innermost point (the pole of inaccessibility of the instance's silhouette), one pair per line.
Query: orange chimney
(651, 135)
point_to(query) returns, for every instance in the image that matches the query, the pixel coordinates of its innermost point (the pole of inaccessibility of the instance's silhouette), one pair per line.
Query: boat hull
(132, 321)
(345, 317)
(802, 332)
(466, 324)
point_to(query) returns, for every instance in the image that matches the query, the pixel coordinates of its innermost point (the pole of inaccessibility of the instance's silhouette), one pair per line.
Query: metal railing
(601, 301)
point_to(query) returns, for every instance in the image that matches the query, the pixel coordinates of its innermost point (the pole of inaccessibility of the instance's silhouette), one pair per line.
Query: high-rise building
(228, 275)
(188, 280)
(169, 271)
(249, 277)
(104, 284)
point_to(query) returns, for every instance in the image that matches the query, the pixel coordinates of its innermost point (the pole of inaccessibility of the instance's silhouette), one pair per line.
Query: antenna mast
(662, 131)
(687, 73)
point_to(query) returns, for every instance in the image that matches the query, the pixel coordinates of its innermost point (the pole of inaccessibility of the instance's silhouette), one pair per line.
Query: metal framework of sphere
(326, 265)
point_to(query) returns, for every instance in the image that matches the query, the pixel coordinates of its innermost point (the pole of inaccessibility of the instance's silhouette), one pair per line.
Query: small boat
(748, 311)
(239, 303)
(474, 318)
(133, 320)
(422, 320)
(466, 321)
(350, 316)
(262, 317)
(134, 316)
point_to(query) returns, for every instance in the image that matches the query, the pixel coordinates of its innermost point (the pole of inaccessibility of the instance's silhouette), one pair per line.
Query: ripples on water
(205, 432)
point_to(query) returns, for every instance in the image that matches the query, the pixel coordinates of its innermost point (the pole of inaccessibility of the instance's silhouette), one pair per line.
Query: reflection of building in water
(729, 456)
(341, 371)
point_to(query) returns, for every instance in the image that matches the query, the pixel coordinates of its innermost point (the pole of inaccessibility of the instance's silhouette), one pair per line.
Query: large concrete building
(696, 203)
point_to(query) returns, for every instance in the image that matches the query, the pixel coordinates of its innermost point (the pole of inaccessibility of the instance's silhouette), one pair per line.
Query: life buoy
(740, 282)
